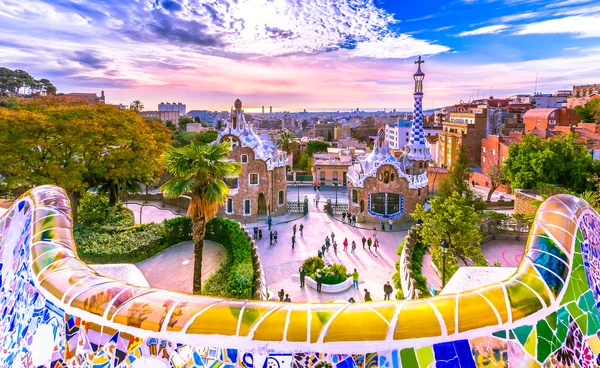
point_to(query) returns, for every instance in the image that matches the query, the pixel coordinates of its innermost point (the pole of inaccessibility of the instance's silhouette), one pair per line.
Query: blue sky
(296, 54)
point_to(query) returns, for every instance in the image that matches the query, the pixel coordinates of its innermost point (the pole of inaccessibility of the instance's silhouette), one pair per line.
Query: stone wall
(523, 198)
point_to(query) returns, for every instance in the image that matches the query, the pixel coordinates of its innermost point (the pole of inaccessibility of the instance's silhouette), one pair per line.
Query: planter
(325, 288)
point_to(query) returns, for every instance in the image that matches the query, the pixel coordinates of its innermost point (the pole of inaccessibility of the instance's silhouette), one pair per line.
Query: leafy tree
(496, 176)
(329, 136)
(457, 181)
(20, 82)
(184, 121)
(316, 146)
(560, 161)
(455, 220)
(286, 142)
(590, 112)
(219, 125)
(197, 119)
(200, 170)
(77, 146)
(181, 138)
(136, 106)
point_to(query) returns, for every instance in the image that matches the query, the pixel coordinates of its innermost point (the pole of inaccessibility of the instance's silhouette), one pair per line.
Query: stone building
(260, 188)
(382, 186)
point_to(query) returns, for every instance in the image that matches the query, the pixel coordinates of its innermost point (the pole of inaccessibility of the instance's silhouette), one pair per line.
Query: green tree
(77, 146)
(136, 106)
(458, 178)
(562, 161)
(496, 176)
(455, 220)
(329, 136)
(200, 170)
(315, 147)
(590, 112)
(184, 121)
(219, 125)
(286, 142)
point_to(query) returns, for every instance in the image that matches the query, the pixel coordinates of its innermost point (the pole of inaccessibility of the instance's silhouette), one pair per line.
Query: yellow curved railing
(534, 292)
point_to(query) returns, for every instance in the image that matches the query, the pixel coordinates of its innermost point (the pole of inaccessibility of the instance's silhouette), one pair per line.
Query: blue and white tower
(417, 149)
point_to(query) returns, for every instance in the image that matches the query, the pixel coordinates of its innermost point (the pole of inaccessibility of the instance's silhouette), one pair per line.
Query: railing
(336, 208)
(295, 206)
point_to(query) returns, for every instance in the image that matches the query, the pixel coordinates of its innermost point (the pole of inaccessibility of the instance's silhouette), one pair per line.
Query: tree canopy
(316, 146)
(590, 112)
(78, 145)
(20, 82)
(458, 181)
(560, 161)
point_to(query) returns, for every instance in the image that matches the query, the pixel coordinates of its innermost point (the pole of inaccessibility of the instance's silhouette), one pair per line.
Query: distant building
(89, 97)
(179, 107)
(260, 189)
(270, 109)
(542, 119)
(332, 167)
(350, 143)
(197, 128)
(163, 116)
(466, 126)
(263, 109)
(341, 131)
(324, 129)
(398, 134)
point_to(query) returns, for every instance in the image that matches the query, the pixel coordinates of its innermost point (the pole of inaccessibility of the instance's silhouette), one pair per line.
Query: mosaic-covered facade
(57, 312)
(382, 186)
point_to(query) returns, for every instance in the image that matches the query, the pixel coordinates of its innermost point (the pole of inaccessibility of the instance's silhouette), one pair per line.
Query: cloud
(581, 26)
(560, 4)
(400, 47)
(88, 59)
(443, 28)
(484, 30)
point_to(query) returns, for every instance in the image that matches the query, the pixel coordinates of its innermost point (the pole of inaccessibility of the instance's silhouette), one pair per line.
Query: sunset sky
(302, 54)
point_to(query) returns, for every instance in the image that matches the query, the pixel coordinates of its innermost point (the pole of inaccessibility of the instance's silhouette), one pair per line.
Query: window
(322, 175)
(449, 140)
(407, 134)
(232, 183)
(247, 207)
(386, 176)
(354, 196)
(483, 159)
(392, 177)
(537, 122)
(253, 179)
(493, 152)
(244, 159)
(449, 150)
(335, 176)
(443, 139)
(458, 141)
(386, 204)
(229, 207)
(449, 160)
(552, 122)
(483, 149)
(280, 197)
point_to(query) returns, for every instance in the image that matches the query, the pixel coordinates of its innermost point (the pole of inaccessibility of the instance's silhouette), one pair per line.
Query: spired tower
(417, 149)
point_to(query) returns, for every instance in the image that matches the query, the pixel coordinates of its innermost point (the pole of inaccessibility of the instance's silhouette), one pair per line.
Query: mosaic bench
(58, 312)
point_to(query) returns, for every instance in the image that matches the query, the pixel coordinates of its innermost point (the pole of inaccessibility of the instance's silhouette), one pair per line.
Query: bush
(177, 230)
(333, 274)
(235, 278)
(94, 211)
(416, 262)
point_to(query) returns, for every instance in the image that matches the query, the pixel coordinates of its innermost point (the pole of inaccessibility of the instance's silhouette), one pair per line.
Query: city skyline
(297, 55)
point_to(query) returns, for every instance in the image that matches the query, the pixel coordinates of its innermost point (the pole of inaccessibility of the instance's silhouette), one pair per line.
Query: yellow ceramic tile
(227, 314)
(298, 324)
(529, 276)
(60, 265)
(446, 305)
(252, 313)
(416, 320)
(97, 298)
(495, 295)
(523, 301)
(474, 312)
(271, 328)
(320, 315)
(594, 343)
(357, 323)
(50, 257)
(187, 308)
(58, 283)
(147, 311)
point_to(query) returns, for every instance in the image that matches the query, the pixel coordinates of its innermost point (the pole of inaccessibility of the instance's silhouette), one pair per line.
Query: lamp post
(297, 187)
(444, 245)
(336, 184)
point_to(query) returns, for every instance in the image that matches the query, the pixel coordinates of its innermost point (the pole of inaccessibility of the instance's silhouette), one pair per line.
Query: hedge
(235, 277)
(416, 261)
(332, 275)
(131, 245)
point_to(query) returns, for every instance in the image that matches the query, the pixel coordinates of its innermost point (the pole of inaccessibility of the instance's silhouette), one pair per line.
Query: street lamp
(444, 245)
(297, 187)
(336, 184)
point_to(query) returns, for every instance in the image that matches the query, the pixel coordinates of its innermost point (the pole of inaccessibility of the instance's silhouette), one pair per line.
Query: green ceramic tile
(574, 310)
(511, 335)
(544, 336)
(408, 358)
(425, 356)
(551, 319)
(522, 333)
(500, 334)
(562, 327)
(578, 281)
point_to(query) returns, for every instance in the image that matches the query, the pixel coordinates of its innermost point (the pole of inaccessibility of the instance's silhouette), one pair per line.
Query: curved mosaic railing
(57, 312)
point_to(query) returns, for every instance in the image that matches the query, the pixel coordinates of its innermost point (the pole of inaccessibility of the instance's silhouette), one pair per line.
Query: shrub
(177, 230)
(312, 264)
(333, 274)
(235, 278)
(94, 211)
(416, 261)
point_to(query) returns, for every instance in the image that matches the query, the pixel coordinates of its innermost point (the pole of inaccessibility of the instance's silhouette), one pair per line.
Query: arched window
(362, 205)
(392, 177)
(386, 205)
(386, 176)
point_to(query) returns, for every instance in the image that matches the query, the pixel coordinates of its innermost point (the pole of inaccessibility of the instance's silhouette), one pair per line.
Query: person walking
(281, 294)
(355, 279)
(335, 247)
(376, 245)
(293, 241)
(387, 291)
(382, 225)
(302, 276)
(287, 298)
(353, 247)
(369, 242)
(319, 281)
(255, 233)
(368, 296)
(323, 249)
(275, 236)
(259, 234)
(364, 241)
(319, 186)
(345, 244)
(351, 300)
(270, 238)
(343, 217)
(320, 254)
(301, 229)
(390, 222)
(354, 220)
(269, 222)
(327, 243)
(315, 186)
(332, 236)
(294, 229)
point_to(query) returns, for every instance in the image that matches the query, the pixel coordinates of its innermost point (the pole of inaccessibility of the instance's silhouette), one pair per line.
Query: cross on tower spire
(419, 61)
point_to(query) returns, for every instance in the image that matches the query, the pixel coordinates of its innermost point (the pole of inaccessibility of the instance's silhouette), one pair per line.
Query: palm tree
(200, 170)
(136, 106)
(286, 141)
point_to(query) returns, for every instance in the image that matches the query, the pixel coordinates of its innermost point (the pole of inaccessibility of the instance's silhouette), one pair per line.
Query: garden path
(173, 268)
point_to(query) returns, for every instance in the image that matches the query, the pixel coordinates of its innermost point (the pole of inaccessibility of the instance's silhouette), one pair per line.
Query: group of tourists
(283, 297)
(331, 242)
(351, 218)
(390, 223)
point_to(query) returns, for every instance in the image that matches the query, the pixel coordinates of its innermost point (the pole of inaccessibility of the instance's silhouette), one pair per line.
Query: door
(262, 205)
(344, 178)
